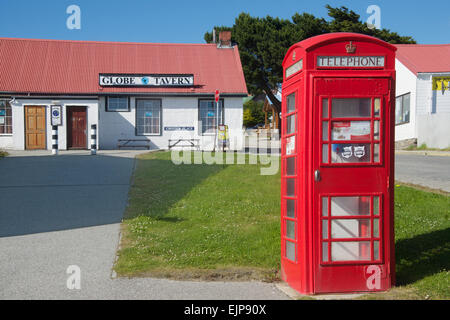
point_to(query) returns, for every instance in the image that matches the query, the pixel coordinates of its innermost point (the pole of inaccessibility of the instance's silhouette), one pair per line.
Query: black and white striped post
(55, 140)
(93, 139)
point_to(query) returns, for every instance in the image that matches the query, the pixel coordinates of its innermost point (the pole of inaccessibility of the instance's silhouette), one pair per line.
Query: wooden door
(35, 132)
(76, 128)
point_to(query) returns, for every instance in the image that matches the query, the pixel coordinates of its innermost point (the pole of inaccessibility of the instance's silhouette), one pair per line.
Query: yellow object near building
(441, 83)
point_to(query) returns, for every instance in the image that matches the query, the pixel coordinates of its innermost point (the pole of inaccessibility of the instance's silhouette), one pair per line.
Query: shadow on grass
(159, 184)
(422, 256)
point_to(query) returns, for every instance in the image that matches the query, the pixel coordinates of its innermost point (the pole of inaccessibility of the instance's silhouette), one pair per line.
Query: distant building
(422, 112)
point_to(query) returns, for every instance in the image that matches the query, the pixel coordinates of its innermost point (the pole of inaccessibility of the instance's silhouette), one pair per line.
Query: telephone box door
(351, 210)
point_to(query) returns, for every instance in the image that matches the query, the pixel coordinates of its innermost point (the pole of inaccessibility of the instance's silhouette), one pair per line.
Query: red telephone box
(337, 173)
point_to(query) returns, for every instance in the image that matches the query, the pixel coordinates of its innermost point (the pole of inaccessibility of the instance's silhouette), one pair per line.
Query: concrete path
(430, 171)
(65, 210)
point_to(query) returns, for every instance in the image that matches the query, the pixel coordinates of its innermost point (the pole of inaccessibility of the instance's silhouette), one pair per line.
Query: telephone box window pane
(350, 206)
(290, 250)
(290, 208)
(350, 130)
(325, 153)
(325, 108)
(324, 229)
(350, 251)
(290, 145)
(325, 130)
(376, 107)
(350, 228)
(376, 228)
(290, 124)
(376, 130)
(376, 206)
(290, 229)
(325, 206)
(351, 108)
(290, 166)
(376, 250)
(376, 152)
(350, 153)
(290, 187)
(325, 251)
(291, 103)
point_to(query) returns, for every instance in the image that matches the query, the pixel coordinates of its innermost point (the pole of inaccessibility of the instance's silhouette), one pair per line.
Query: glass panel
(290, 208)
(325, 251)
(290, 145)
(350, 153)
(376, 228)
(290, 229)
(148, 113)
(351, 107)
(324, 229)
(350, 251)
(290, 166)
(398, 110)
(290, 124)
(350, 130)
(350, 228)
(290, 187)
(376, 107)
(325, 153)
(290, 250)
(207, 115)
(376, 152)
(376, 250)
(325, 130)
(325, 206)
(290, 103)
(376, 206)
(325, 108)
(350, 206)
(376, 130)
(405, 109)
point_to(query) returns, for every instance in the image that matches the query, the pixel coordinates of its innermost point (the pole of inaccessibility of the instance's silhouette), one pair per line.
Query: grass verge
(3, 154)
(221, 222)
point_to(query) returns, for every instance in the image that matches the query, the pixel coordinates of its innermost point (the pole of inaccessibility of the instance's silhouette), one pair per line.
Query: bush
(253, 113)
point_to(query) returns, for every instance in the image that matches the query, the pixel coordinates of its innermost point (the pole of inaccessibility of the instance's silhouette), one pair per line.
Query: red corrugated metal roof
(64, 67)
(424, 57)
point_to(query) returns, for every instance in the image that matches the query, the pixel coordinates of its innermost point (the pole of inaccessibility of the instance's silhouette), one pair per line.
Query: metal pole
(93, 139)
(55, 140)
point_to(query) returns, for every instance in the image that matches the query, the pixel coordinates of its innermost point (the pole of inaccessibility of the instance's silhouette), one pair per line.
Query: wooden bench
(194, 143)
(131, 143)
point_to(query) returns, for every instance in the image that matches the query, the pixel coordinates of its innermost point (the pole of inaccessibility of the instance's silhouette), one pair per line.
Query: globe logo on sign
(145, 80)
(55, 113)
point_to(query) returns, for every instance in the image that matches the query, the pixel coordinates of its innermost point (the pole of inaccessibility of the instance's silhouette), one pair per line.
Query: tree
(263, 42)
(253, 113)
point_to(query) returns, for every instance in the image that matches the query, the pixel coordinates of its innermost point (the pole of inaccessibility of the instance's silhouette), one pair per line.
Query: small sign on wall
(56, 115)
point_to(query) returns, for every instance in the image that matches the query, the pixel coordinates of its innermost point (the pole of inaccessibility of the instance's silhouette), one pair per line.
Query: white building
(159, 93)
(423, 95)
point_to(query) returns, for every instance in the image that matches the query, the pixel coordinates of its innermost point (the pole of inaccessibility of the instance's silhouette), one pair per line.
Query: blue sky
(174, 21)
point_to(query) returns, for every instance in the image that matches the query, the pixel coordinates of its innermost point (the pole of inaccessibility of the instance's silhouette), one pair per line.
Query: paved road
(428, 171)
(66, 210)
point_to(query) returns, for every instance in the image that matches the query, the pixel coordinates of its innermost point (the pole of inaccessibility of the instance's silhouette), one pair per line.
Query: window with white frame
(402, 105)
(117, 103)
(5, 117)
(148, 116)
(207, 115)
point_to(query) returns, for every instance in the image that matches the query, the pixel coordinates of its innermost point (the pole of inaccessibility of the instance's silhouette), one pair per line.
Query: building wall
(176, 112)
(17, 140)
(406, 83)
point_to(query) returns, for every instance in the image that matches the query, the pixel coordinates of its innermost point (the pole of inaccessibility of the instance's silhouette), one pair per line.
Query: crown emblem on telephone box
(350, 48)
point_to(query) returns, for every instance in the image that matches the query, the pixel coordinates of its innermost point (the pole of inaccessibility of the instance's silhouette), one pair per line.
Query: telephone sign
(337, 169)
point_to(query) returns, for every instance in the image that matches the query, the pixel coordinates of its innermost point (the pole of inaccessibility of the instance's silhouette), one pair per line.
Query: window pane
(325, 130)
(290, 124)
(148, 116)
(117, 103)
(350, 153)
(376, 130)
(325, 108)
(325, 153)
(376, 250)
(290, 208)
(290, 229)
(376, 152)
(350, 251)
(405, 108)
(290, 103)
(325, 206)
(352, 107)
(290, 145)
(290, 166)
(290, 250)
(350, 206)
(5, 117)
(376, 206)
(208, 115)
(350, 228)
(377, 107)
(324, 229)
(398, 110)
(325, 251)
(290, 187)
(351, 130)
(376, 228)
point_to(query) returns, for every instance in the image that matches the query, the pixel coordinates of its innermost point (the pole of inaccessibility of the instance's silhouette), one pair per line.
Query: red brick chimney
(225, 39)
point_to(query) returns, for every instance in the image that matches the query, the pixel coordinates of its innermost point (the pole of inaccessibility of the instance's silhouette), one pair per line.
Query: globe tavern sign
(146, 80)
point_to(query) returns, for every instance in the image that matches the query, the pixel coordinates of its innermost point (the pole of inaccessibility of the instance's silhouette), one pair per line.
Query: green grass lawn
(222, 222)
(3, 154)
